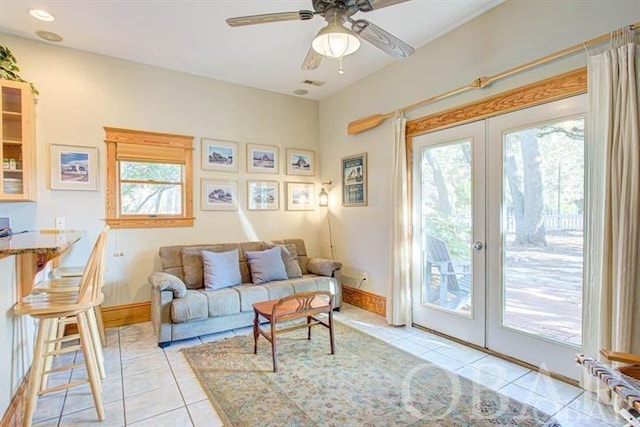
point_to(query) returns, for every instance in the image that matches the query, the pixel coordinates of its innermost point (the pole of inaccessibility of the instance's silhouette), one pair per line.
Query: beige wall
(513, 33)
(81, 92)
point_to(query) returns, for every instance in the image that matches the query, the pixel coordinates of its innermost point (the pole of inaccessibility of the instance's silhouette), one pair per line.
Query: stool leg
(35, 377)
(100, 321)
(309, 327)
(61, 324)
(95, 340)
(49, 346)
(90, 361)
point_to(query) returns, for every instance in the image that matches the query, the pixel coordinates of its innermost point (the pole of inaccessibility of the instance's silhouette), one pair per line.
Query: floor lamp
(323, 201)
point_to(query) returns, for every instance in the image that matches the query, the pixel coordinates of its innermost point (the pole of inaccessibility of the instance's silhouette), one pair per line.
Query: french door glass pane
(446, 226)
(542, 231)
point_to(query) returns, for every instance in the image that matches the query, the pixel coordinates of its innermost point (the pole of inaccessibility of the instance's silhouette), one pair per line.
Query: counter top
(38, 242)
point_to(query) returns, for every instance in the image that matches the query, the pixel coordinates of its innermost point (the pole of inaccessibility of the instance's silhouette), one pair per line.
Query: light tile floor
(149, 386)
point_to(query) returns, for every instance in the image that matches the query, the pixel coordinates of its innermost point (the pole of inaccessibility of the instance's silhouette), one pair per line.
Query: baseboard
(126, 314)
(14, 415)
(120, 315)
(366, 300)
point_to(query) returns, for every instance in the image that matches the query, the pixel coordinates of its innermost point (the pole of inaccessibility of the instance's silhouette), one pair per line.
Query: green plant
(9, 68)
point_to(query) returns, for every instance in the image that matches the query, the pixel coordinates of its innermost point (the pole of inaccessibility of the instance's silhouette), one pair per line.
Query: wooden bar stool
(67, 279)
(70, 283)
(50, 308)
(298, 306)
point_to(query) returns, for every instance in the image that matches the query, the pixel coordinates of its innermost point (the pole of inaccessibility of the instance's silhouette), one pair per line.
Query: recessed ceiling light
(42, 15)
(301, 91)
(49, 36)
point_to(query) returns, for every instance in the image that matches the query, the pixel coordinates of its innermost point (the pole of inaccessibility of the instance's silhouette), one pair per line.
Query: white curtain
(612, 240)
(399, 295)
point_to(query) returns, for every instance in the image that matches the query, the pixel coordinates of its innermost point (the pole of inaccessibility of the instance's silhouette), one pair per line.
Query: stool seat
(62, 284)
(66, 271)
(59, 304)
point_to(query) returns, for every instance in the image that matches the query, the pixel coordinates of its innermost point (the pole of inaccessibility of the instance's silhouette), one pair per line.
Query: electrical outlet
(364, 276)
(60, 223)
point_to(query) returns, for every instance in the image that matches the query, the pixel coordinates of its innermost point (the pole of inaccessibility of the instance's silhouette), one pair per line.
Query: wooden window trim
(165, 142)
(551, 89)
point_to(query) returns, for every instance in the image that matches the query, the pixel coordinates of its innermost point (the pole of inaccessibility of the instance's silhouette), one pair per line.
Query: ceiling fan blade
(381, 39)
(369, 5)
(312, 60)
(240, 21)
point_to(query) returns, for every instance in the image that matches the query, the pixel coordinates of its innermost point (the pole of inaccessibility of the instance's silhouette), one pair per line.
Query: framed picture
(74, 167)
(262, 158)
(300, 162)
(219, 195)
(354, 180)
(218, 155)
(263, 195)
(301, 196)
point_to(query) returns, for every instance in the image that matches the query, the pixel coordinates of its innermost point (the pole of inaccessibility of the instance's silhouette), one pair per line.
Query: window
(149, 179)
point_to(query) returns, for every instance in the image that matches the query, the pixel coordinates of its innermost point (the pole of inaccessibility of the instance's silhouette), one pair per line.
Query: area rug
(366, 383)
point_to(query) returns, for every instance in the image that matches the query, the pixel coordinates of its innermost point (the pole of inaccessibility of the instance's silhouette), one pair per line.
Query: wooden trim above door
(551, 89)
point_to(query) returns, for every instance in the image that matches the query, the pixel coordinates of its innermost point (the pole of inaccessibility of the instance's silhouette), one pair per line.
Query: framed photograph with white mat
(74, 167)
(218, 195)
(301, 196)
(219, 155)
(263, 195)
(262, 158)
(300, 162)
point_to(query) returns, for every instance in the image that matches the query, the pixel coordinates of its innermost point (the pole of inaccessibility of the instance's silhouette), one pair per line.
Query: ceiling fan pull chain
(340, 69)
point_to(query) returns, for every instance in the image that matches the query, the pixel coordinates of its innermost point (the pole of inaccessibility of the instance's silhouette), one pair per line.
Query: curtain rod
(369, 122)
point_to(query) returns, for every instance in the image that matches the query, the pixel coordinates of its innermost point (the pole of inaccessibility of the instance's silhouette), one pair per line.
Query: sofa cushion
(279, 289)
(250, 294)
(221, 269)
(222, 302)
(266, 266)
(192, 306)
(192, 269)
(301, 251)
(289, 258)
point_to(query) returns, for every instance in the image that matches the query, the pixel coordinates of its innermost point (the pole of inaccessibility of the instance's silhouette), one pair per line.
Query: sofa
(182, 307)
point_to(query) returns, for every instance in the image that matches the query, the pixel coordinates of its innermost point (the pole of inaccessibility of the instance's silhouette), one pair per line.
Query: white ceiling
(192, 36)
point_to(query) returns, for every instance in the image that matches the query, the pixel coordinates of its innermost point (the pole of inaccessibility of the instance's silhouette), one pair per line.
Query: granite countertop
(38, 242)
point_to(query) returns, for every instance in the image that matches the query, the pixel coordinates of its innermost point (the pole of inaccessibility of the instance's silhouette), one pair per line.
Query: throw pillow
(221, 269)
(266, 265)
(289, 258)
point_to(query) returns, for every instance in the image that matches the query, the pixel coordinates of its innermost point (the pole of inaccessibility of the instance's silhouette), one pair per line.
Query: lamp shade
(335, 41)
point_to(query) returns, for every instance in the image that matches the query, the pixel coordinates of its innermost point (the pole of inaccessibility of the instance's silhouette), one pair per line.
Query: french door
(498, 233)
(449, 229)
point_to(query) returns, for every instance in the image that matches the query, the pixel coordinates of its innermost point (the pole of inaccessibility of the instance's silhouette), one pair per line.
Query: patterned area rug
(366, 383)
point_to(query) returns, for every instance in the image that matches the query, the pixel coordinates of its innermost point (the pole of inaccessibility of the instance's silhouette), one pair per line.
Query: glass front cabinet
(17, 143)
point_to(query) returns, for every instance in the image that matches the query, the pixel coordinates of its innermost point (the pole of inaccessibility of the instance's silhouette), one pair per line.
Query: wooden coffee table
(298, 306)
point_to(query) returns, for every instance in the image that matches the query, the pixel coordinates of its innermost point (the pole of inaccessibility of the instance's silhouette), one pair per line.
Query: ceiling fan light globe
(334, 41)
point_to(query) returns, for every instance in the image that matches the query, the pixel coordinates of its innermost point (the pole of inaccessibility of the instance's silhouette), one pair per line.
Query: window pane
(151, 199)
(150, 171)
(447, 226)
(543, 230)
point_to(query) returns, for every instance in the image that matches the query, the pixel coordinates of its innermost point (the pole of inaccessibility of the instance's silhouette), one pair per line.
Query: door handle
(478, 246)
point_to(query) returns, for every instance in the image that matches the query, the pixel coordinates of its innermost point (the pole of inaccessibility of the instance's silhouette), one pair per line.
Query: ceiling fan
(335, 40)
